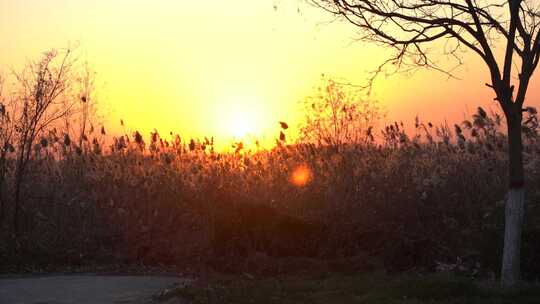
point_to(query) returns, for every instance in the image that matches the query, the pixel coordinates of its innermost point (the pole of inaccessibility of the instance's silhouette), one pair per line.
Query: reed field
(419, 196)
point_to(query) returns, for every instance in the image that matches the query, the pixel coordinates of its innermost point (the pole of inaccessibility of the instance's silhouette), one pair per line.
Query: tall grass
(426, 200)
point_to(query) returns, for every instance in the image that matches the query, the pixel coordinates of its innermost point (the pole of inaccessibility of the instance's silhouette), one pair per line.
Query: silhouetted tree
(41, 103)
(338, 114)
(85, 107)
(6, 137)
(409, 26)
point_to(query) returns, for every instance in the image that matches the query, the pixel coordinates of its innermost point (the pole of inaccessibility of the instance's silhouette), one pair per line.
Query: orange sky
(213, 67)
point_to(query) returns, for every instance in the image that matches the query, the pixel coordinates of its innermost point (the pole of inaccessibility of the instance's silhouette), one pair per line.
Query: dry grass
(423, 201)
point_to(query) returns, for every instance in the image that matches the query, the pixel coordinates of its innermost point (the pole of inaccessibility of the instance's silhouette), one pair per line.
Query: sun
(242, 124)
(242, 117)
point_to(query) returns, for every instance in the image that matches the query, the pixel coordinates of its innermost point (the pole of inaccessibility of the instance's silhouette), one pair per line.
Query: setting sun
(243, 116)
(242, 124)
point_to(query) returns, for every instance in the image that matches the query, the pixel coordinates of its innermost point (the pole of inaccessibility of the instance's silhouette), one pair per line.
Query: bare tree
(6, 136)
(410, 26)
(338, 115)
(87, 102)
(82, 105)
(42, 86)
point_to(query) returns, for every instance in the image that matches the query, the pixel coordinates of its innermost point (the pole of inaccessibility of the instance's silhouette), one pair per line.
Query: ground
(86, 289)
(373, 288)
(328, 288)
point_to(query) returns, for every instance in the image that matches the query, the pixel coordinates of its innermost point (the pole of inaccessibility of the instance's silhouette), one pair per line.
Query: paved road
(83, 289)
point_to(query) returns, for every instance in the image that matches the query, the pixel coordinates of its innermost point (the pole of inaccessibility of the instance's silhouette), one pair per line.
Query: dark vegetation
(374, 288)
(427, 200)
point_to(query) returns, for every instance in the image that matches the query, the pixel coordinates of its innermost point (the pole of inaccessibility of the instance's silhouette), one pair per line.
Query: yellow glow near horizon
(241, 125)
(223, 68)
(242, 116)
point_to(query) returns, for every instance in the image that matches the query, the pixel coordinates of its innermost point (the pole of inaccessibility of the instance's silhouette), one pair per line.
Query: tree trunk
(2, 204)
(16, 204)
(515, 204)
(2, 207)
(3, 172)
(19, 174)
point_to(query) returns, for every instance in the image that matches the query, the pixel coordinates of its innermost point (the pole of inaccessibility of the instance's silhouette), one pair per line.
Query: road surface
(85, 289)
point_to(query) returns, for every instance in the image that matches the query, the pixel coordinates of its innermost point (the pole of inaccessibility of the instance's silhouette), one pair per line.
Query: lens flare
(301, 176)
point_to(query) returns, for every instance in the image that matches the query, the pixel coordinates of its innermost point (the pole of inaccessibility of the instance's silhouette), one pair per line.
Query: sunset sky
(214, 67)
